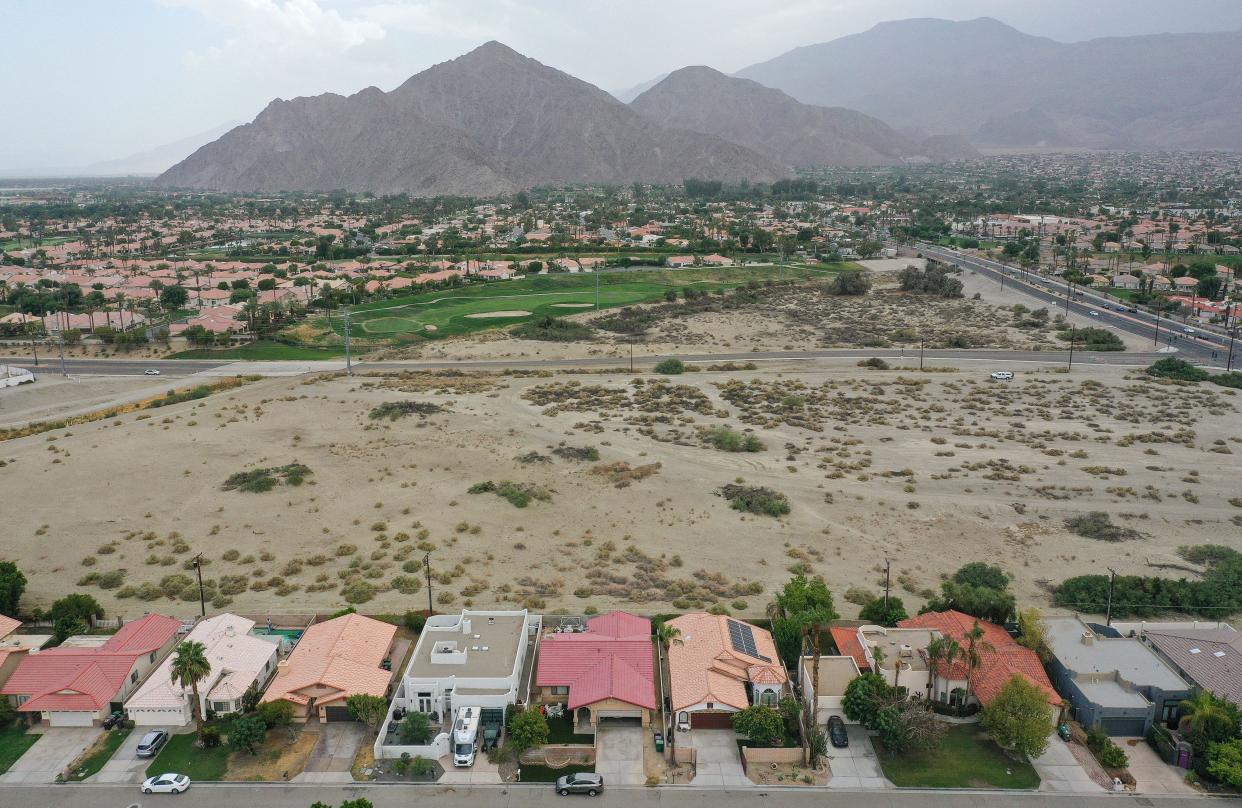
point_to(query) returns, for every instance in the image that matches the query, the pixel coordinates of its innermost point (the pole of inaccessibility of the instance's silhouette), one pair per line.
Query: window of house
(424, 702)
(683, 718)
(560, 690)
(152, 657)
(768, 698)
(711, 705)
(133, 677)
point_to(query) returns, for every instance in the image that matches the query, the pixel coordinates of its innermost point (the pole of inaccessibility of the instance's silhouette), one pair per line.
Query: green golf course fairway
(405, 319)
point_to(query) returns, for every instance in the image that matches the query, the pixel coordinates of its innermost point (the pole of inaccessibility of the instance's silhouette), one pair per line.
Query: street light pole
(1073, 331)
(1155, 341)
(1233, 333)
(920, 354)
(60, 343)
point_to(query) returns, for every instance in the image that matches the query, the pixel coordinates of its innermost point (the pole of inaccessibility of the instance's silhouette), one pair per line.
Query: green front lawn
(544, 774)
(14, 742)
(561, 730)
(181, 756)
(102, 752)
(964, 759)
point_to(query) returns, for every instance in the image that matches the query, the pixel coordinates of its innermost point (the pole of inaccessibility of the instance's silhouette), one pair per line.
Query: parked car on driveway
(588, 783)
(836, 732)
(165, 784)
(114, 719)
(151, 743)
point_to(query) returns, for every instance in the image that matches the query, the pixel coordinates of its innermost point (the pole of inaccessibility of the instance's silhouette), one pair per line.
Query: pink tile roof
(612, 659)
(86, 679)
(1001, 658)
(8, 625)
(848, 644)
(343, 654)
(704, 667)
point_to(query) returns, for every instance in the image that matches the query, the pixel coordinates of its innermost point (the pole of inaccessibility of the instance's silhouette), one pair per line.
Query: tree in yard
(528, 729)
(975, 646)
(763, 725)
(12, 585)
(1019, 718)
(66, 627)
(877, 613)
(978, 590)
(415, 729)
(907, 725)
(942, 652)
(189, 667)
(1208, 719)
(366, 708)
(173, 297)
(864, 697)
(276, 713)
(1033, 632)
(1225, 762)
(667, 635)
(72, 615)
(808, 603)
(245, 734)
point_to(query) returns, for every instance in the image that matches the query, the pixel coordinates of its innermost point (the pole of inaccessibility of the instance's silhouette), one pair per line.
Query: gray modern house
(1208, 658)
(1113, 682)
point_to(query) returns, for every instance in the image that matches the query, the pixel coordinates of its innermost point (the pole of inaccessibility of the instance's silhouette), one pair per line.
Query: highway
(532, 796)
(115, 367)
(1203, 347)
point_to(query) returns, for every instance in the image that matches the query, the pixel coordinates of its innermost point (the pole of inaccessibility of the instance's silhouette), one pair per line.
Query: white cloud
(285, 25)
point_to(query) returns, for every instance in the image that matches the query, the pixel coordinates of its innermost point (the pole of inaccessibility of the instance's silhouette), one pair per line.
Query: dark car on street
(588, 783)
(836, 732)
(151, 743)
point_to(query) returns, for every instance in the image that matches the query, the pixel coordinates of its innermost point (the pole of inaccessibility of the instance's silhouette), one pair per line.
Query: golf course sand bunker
(489, 314)
(573, 305)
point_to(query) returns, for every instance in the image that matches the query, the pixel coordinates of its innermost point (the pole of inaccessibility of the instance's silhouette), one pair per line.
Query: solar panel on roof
(743, 639)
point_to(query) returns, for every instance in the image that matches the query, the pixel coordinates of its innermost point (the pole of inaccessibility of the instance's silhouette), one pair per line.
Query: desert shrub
(519, 495)
(936, 279)
(875, 363)
(851, 282)
(671, 367)
(577, 452)
(622, 474)
(1093, 339)
(1098, 525)
(407, 584)
(1179, 369)
(553, 329)
(358, 591)
(257, 481)
(755, 499)
(730, 440)
(392, 410)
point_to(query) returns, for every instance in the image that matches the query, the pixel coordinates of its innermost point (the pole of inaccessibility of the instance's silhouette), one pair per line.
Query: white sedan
(151, 372)
(166, 784)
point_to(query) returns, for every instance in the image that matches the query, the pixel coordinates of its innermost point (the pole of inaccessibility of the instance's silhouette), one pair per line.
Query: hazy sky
(88, 80)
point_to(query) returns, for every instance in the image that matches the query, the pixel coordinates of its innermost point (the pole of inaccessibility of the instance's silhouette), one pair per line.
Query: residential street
(288, 796)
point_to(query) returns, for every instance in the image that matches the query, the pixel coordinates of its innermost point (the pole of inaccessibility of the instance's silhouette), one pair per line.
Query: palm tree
(189, 667)
(942, 651)
(1207, 715)
(975, 645)
(667, 635)
(878, 655)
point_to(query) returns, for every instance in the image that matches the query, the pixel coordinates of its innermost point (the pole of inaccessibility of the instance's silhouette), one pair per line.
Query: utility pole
(888, 568)
(349, 366)
(1069, 288)
(1108, 614)
(34, 346)
(1155, 341)
(1073, 331)
(202, 598)
(60, 343)
(427, 568)
(1233, 333)
(920, 354)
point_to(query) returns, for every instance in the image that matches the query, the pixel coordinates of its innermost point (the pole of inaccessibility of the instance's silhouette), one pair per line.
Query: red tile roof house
(720, 666)
(1001, 658)
(332, 661)
(606, 672)
(76, 686)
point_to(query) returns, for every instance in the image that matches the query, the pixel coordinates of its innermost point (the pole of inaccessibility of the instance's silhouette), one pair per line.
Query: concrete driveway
(1060, 772)
(1151, 774)
(856, 766)
(50, 755)
(125, 766)
(619, 754)
(718, 764)
(333, 756)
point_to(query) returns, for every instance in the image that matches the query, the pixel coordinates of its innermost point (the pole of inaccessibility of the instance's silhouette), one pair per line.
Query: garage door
(621, 717)
(711, 721)
(337, 714)
(67, 719)
(1123, 727)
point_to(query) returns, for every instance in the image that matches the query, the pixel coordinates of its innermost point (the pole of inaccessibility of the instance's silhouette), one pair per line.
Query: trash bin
(659, 739)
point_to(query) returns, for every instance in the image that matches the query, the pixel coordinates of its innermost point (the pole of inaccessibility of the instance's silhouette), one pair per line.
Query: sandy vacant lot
(931, 470)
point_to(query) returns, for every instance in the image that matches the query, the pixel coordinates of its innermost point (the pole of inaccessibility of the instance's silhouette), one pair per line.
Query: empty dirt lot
(931, 470)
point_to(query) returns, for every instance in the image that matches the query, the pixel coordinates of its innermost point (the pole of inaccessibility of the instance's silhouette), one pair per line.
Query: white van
(465, 736)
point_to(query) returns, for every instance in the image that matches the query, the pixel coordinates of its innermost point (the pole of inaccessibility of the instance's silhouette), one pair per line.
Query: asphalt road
(1204, 346)
(114, 367)
(289, 796)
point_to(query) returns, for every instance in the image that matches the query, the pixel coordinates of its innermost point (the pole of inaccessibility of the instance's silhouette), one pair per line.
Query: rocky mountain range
(994, 85)
(489, 122)
(772, 123)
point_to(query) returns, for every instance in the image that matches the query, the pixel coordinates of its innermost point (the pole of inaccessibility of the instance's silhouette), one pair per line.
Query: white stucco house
(238, 660)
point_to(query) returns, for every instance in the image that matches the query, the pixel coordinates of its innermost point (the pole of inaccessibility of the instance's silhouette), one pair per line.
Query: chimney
(1088, 638)
(465, 625)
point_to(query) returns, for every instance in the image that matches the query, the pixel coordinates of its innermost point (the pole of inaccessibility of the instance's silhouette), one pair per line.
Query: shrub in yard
(367, 708)
(1109, 754)
(1018, 718)
(864, 697)
(528, 729)
(1225, 762)
(763, 725)
(415, 729)
(755, 499)
(877, 613)
(245, 734)
(671, 367)
(1098, 525)
(276, 713)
